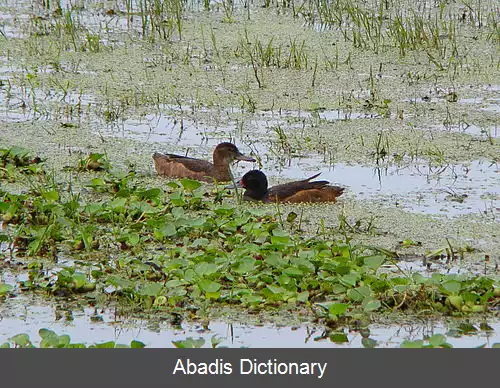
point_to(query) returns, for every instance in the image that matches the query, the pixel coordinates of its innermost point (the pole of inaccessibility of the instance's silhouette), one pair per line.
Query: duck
(178, 166)
(256, 189)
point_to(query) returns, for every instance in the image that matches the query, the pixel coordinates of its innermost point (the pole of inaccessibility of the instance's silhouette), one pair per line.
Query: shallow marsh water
(91, 327)
(421, 162)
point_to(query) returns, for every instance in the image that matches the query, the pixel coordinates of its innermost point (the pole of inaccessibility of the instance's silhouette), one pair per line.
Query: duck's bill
(244, 158)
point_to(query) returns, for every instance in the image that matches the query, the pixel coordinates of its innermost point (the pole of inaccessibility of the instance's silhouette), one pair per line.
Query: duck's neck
(255, 195)
(221, 168)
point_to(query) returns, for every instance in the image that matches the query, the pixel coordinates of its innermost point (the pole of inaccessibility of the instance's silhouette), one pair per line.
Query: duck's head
(228, 152)
(255, 183)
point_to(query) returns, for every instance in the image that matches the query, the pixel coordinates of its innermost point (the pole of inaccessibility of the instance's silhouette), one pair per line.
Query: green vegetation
(165, 250)
(49, 339)
(381, 84)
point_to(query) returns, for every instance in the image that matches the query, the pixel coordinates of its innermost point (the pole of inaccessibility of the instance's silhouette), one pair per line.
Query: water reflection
(90, 326)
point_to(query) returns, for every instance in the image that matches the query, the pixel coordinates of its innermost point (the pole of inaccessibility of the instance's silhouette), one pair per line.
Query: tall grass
(161, 18)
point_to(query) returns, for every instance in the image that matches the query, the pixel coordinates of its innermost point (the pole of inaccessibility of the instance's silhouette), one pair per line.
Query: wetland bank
(397, 101)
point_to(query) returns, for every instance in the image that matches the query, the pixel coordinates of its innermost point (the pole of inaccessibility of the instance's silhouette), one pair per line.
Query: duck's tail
(313, 177)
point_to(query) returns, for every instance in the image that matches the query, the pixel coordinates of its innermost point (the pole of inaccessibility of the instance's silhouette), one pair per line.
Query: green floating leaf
(178, 212)
(368, 343)
(338, 289)
(46, 333)
(292, 271)
(190, 184)
(51, 340)
(118, 204)
(18, 151)
(338, 338)
(104, 345)
(373, 262)
(418, 344)
(452, 286)
(151, 289)
(190, 275)
(456, 301)
(168, 229)
(420, 279)
(359, 293)
(137, 345)
(245, 265)
(212, 295)
(97, 182)
(79, 280)
(344, 250)
(224, 211)
(119, 282)
(209, 286)
(95, 156)
(350, 279)
(437, 340)
(275, 259)
(216, 341)
(470, 297)
(51, 196)
(5, 288)
(93, 208)
(196, 222)
(133, 239)
(280, 237)
(200, 242)
(337, 309)
(303, 264)
(370, 304)
(189, 343)
(121, 346)
(252, 299)
(303, 297)
(205, 269)
(173, 185)
(275, 289)
(151, 193)
(174, 283)
(21, 340)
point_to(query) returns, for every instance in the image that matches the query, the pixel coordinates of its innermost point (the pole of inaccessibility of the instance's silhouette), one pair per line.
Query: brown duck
(255, 184)
(178, 166)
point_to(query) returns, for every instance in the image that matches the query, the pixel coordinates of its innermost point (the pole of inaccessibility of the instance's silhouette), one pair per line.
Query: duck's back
(304, 191)
(178, 166)
(323, 194)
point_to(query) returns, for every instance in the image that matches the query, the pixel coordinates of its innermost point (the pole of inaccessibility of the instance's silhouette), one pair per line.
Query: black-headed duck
(255, 184)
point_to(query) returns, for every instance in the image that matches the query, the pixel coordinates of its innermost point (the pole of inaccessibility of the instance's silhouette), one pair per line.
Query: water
(90, 327)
